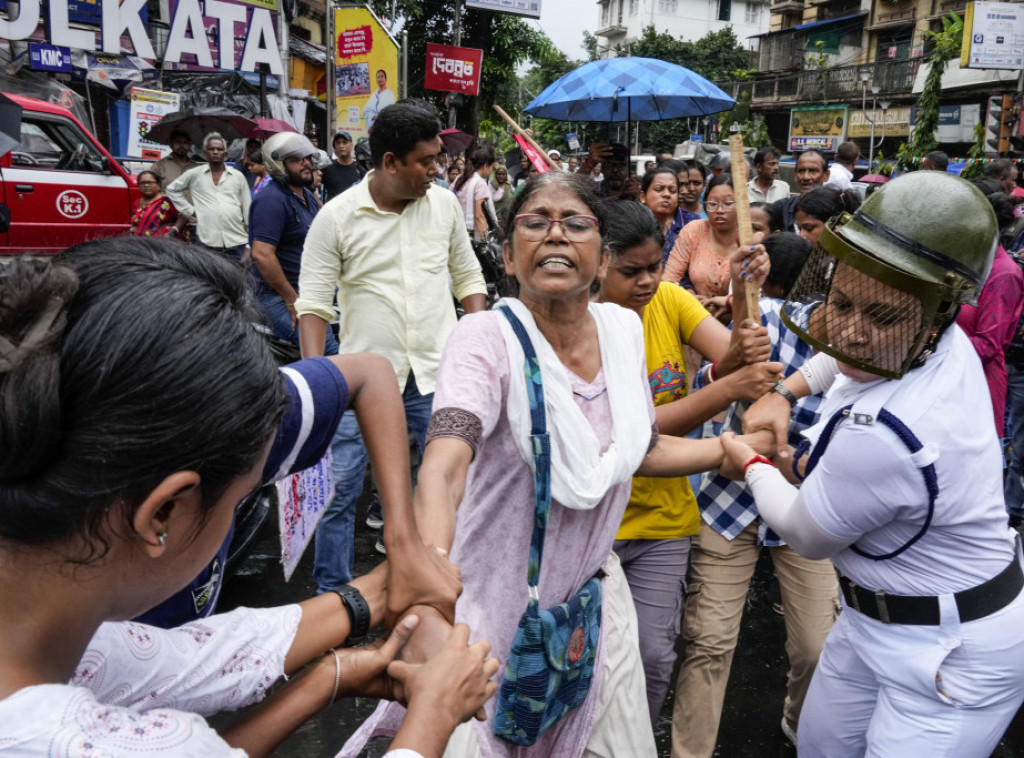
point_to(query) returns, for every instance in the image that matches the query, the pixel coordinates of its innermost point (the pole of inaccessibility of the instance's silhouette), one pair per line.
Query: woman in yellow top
(653, 542)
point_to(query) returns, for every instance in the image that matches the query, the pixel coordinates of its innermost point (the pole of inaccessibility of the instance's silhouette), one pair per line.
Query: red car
(60, 184)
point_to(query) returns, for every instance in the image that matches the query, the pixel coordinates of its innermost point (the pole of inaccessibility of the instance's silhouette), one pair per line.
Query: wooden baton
(738, 167)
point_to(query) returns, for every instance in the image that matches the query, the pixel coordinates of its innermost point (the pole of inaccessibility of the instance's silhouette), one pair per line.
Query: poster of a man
(380, 99)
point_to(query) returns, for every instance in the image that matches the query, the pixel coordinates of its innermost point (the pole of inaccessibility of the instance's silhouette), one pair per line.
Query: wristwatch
(783, 390)
(358, 611)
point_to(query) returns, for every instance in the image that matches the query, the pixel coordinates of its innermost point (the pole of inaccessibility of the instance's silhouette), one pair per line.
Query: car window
(55, 144)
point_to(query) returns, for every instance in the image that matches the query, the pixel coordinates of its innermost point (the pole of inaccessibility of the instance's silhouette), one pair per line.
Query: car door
(60, 187)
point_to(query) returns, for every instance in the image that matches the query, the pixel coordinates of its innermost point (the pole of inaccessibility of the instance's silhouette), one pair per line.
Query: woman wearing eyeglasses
(155, 214)
(700, 258)
(476, 488)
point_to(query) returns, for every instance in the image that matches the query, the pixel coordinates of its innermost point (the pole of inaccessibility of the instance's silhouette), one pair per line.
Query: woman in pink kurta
(476, 490)
(699, 260)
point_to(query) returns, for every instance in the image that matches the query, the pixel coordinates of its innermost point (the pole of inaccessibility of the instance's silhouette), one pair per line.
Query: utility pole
(458, 42)
(330, 99)
(283, 79)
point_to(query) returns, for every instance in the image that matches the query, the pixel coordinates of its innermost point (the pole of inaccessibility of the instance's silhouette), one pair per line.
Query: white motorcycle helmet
(287, 146)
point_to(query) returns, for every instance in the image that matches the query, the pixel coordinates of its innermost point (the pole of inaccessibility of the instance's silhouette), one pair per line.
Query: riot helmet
(883, 283)
(286, 146)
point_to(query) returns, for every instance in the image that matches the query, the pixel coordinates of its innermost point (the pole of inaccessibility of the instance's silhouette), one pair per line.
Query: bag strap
(541, 443)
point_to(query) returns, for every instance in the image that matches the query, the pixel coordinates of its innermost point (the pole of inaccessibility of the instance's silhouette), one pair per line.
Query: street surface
(753, 703)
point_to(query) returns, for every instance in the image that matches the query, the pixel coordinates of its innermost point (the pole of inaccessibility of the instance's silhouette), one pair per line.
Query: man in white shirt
(841, 173)
(217, 197)
(389, 246)
(765, 186)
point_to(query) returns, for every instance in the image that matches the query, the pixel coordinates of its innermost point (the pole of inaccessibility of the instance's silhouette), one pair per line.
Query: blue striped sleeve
(317, 398)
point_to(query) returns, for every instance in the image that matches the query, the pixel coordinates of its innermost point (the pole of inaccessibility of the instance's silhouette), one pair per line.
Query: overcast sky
(564, 21)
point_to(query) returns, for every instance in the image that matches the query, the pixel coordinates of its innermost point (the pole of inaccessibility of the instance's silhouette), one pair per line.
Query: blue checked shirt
(727, 506)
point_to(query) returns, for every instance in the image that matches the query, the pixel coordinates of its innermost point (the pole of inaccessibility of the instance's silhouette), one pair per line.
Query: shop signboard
(993, 36)
(147, 108)
(956, 122)
(820, 127)
(366, 70)
(453, 69)
(896, 123)
(529, 8)
(84, 11)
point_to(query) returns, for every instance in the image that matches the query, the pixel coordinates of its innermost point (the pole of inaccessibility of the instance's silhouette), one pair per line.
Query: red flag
(535, 158)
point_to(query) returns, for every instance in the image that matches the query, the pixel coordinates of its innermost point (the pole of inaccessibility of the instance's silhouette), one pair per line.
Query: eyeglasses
(714, 207)
(533, 226)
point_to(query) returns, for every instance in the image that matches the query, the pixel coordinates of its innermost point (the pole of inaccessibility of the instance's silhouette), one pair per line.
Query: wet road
(753, 704)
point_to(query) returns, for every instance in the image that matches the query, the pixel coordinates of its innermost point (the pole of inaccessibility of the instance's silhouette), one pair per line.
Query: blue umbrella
(629, 89)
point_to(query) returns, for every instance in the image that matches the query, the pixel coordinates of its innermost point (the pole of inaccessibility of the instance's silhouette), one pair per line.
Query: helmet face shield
(884, 282)
(861, 311)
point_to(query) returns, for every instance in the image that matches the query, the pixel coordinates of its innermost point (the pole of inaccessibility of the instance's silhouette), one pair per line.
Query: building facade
(621, 22)
(831, 70)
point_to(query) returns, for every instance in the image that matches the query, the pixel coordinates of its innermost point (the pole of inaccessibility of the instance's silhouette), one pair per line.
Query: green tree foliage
(753, 130)
(717, 56)
(507, 41)
(947, 46)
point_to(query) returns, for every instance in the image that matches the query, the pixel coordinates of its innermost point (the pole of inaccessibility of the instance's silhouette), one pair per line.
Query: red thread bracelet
(728, 303)
(756, 459)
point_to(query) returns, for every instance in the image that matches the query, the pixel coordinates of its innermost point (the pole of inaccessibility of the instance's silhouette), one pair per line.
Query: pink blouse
(694, 258)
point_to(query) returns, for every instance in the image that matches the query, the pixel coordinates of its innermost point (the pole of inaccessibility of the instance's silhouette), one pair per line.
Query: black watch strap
(358, 611)
(783, 390)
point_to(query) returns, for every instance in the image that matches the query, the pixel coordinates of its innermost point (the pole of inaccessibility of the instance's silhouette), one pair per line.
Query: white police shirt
(868, 488)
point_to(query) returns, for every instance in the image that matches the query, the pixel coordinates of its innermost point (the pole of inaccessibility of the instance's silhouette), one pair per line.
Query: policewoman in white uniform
(902, 483)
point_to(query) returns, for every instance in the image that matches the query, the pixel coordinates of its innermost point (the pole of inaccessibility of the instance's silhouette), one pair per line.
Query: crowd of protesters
(848, 424)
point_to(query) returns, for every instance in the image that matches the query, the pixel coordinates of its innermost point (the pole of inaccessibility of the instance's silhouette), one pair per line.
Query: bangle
(756, 459)
(358, 611)
(337, 675)
(711, 371)
(728, 303)
(783, 390)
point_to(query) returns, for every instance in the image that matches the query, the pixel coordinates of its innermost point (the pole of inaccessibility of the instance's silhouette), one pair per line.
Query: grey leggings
(656, 572)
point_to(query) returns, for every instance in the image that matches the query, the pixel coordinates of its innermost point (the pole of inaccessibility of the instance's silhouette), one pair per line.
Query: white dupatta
(581, 474)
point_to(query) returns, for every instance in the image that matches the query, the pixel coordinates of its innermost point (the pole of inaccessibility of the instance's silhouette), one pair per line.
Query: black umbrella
(10, 124)
(198, 122)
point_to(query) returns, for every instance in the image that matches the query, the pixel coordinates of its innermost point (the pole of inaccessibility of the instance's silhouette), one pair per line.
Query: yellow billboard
(895, 121)
(366, 70)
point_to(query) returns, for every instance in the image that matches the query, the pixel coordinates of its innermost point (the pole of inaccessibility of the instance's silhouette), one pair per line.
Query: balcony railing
(894, 18)
(838, 84)
(611, 30)
(943, 7)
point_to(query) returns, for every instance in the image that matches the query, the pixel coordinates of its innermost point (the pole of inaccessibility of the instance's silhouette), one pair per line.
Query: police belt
(972, 604)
